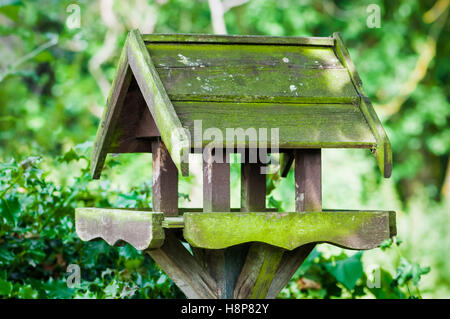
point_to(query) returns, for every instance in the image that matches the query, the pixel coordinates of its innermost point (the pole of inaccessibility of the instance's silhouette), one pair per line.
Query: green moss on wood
(382, 151)
(353, 230)
(242, 39)
(300, 125)
(160, 106)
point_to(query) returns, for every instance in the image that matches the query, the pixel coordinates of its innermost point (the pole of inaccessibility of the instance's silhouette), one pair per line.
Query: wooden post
(183, 268)
(165, 180)
(173, 257)
(308, 180)
(216, 183)
(253, 188)
(308, 197)
(224, 265)
(262, 259)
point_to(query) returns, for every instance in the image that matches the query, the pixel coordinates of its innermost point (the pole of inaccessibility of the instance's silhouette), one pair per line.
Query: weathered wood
(254, 83)
(173, 222)
(308, 196)
(242, 39)
(308, 180)
(183, 210)
(165, 180)
(286, 160)
(223, 264)
(253, 187)
(216, 183)
(111, 114)
(299, 125)
(183, 269)
(188, 55)
(258, 272)
(382, 151)
(287, 267)
(140, 229)
(352, 230)
(159, 104)
(135, 125)
(262, 260)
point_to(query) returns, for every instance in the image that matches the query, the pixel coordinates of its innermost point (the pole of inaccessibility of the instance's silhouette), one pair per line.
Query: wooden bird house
(175, 94)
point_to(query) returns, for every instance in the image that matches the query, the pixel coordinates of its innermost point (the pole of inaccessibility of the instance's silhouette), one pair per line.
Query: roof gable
(307, 87)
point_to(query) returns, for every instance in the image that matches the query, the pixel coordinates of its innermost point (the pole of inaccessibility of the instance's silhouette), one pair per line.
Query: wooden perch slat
(348, 229)
(159, 104)
(141, 229)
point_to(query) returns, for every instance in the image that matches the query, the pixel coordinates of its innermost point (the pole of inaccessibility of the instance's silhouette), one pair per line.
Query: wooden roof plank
(299, 125)
(382, 151)
(238, 39)
(257, 84)
(171, 55)
(159, 104)
(114, 104)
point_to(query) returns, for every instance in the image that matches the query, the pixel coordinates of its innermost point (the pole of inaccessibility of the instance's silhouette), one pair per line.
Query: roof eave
(383, 150)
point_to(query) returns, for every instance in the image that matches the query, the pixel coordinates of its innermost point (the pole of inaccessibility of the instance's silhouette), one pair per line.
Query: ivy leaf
(346, 271)
(112, 289)
(69, 156)
(5, 288)
(386, 289)
(9, 209)
(386, 244)
(10, 9)
(27, 292)
(407, 271)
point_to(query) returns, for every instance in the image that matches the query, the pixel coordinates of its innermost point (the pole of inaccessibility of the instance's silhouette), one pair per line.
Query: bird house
(267, 98)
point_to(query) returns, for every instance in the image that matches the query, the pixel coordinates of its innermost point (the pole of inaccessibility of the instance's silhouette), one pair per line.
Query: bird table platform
(178, 94)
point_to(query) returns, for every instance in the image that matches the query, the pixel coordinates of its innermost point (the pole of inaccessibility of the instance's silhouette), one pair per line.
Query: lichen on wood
(141, 229)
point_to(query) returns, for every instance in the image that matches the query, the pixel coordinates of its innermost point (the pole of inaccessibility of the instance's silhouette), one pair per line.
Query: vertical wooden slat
(253, 188)
(308, 197)
(216, 183)
(308, 180)
(165, 180)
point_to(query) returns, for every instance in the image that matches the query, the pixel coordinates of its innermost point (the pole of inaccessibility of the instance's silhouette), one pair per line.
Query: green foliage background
(53, 82)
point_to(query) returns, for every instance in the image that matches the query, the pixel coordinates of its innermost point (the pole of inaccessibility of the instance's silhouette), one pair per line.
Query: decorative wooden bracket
(141, 229)
(347, 229)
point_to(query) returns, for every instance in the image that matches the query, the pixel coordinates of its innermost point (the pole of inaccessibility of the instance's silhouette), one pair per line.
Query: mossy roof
(307, 87)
